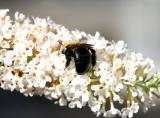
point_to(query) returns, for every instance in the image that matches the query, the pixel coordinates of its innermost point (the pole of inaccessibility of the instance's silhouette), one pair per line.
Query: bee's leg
(68, 53)
(93, 57)
(68, 61)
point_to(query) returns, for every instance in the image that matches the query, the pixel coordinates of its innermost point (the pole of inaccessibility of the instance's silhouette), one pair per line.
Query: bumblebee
(84, 56)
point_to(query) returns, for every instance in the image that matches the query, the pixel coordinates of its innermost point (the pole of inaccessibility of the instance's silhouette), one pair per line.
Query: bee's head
(68, 48)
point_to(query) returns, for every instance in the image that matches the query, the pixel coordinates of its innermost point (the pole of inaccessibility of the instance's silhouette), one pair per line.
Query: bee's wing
(86, 45)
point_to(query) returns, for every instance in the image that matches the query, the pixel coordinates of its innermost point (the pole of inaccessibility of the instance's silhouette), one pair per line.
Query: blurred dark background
(137, 22)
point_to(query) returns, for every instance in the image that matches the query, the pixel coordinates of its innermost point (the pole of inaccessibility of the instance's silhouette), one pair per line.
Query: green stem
(104, 106)
(6, 48)
(111, 99)
(129, 99)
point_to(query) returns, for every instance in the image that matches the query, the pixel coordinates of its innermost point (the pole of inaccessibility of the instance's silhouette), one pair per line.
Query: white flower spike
(32, 62)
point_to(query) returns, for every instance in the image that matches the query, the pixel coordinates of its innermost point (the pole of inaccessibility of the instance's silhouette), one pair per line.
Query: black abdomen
(82, 60)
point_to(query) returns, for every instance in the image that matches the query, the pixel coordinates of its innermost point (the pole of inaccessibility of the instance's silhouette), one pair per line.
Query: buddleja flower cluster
(31, 62)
